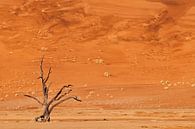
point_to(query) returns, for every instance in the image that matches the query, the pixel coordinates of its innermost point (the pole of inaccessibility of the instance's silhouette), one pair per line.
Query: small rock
(162, 81)
(175, 84)
(10, 53)
(122, 89)
(91, 92)
(193, 85)
(188, 38)
(107, 74)
(85, 85)
(73, 60)
(18, 107)
(33, 93)
(99, 61)
(167, 82)
(44, 48)
(166, 88)
(88, 59)
(6, 95)
(100, 50)
(145, 24)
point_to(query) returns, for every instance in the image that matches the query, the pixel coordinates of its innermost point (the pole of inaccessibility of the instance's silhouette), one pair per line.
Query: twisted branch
(58, 95)
(48, 75)
(61, 101)
(34, 98)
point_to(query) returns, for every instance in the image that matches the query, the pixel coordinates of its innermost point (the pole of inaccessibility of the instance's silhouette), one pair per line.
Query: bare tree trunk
(45, 117)
(49, 105)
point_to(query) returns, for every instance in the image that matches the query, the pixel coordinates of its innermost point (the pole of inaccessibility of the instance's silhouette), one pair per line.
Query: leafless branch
(41, 68)
(58, 94)
(61, 101)
(48, 75)
(34, 98)
(49, 86)
(66, 93)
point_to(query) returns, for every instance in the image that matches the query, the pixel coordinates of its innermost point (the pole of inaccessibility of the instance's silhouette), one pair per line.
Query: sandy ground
(104, 119)
(119, 55)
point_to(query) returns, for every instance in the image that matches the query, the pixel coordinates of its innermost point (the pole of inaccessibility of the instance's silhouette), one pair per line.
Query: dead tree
(49, 105)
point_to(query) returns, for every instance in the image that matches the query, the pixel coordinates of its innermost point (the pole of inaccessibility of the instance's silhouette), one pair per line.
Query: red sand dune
(117, 54)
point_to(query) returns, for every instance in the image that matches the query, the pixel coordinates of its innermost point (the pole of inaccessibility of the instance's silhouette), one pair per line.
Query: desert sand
(130, 61)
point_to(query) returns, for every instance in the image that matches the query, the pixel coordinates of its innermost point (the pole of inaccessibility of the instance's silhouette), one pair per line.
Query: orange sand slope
(117, 54)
